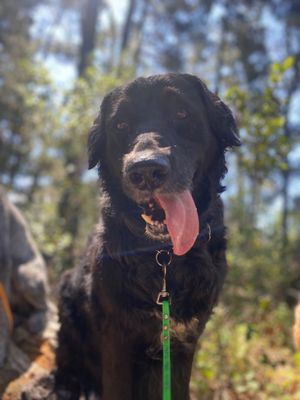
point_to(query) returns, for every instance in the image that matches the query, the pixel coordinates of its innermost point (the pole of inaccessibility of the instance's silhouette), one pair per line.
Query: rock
(24, 285)
(30, 358)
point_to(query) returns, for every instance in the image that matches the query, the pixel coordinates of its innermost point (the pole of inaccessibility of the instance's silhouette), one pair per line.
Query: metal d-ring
(165, 253)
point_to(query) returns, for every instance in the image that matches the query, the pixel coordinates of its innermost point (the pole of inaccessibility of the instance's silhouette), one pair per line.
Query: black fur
(109, 341)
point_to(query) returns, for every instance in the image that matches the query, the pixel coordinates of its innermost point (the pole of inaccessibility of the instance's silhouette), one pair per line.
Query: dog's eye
(122, 126)
(181, 114)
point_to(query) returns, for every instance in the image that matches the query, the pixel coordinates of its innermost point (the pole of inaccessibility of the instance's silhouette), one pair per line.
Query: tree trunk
(89, 16)
(285, 208)
(139, 29)
(70, 202)
(127, 29)
(128, 25)
(220, 56)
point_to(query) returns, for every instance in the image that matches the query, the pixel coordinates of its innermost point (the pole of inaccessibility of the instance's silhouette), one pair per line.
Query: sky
(119, 8)
(61, 71)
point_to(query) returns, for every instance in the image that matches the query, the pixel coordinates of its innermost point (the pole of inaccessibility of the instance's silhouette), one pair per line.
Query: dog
(159, 143)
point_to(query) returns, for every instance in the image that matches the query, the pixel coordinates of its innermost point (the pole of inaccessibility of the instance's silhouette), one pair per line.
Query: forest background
(60, 57)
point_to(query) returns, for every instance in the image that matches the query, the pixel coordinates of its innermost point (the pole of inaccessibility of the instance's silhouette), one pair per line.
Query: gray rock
(23, 274)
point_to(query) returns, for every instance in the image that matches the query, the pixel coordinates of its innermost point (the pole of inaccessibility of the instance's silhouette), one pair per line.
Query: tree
(89, 24)
(17, 75)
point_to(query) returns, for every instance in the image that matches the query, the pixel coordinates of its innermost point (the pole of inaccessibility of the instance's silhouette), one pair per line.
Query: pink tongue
(181, 219)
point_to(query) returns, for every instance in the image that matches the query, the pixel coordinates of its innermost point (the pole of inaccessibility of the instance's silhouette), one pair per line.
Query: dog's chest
(134, 285)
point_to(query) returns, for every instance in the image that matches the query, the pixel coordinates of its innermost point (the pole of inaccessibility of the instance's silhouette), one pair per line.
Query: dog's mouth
(172, 217)
(154, 216)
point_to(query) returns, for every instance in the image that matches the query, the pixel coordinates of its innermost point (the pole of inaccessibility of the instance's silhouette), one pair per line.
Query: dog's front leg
(116, 357)
(148, 379)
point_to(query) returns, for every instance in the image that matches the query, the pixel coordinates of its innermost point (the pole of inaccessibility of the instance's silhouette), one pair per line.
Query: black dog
(159, 143)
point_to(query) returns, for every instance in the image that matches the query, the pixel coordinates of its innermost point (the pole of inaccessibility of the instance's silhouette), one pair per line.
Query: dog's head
(156, 139)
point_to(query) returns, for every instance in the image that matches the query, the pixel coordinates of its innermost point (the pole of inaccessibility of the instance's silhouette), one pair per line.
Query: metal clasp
(161, 296)
(163, 259)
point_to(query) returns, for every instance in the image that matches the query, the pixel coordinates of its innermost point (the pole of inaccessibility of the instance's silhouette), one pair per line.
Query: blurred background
(60, 57)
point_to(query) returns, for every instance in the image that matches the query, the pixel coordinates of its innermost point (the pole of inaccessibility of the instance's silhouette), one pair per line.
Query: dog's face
(156, 138)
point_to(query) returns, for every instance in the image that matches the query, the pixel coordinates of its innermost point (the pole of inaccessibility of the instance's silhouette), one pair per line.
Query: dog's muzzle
(149, 173)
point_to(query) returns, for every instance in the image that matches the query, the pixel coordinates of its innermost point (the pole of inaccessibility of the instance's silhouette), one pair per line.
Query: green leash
(163, 259)
(166, 350)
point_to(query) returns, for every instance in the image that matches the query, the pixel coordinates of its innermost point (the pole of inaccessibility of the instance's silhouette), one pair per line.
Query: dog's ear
(219, 115)
(96, 136)
(95, 142)
(223, 122)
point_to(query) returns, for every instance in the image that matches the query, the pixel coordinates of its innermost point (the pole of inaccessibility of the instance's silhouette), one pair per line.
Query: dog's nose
(149, 174)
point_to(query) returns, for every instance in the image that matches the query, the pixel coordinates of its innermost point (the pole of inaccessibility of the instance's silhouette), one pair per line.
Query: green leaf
(288, 63)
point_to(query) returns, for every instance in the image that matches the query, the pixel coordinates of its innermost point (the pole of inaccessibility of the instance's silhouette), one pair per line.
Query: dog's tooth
(147, 219)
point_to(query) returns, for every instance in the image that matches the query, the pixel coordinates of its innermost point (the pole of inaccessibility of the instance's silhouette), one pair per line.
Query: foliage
(240, 359)
(17, 76)
(256, 246)
(261, 121)
(67, 120)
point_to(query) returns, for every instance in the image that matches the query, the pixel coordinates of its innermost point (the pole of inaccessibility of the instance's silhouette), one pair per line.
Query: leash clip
(163, 259)
(161, 297)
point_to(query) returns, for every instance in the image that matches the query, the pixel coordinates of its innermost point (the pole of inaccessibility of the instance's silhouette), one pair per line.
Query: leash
(163, 259)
